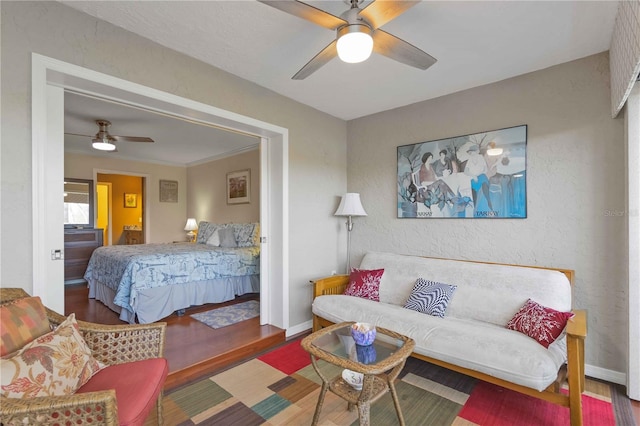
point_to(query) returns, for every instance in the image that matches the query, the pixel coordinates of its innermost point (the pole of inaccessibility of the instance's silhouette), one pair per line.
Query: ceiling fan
(357, 25)
(104, 141)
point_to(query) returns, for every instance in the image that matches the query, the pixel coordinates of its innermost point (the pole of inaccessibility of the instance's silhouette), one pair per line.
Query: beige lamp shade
(191, 226)
(350, 205)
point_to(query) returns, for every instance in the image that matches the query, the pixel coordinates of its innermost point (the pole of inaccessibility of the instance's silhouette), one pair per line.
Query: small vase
(366, 354)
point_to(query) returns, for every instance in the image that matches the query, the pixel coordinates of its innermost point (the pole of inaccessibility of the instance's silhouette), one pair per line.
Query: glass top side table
(380, 363)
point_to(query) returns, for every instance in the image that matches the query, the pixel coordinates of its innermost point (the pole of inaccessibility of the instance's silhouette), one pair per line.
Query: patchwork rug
(281, 388)
(228, 315)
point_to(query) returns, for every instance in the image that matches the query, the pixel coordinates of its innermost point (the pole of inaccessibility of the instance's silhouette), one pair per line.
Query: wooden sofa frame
(572, 372)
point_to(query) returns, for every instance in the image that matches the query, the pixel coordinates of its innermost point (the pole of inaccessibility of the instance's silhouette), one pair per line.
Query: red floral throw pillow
(365, 284)
(539, 322)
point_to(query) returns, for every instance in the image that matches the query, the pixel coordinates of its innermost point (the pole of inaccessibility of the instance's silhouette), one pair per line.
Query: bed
(147, 282)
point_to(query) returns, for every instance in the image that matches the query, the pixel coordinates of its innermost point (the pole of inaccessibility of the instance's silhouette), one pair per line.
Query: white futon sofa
(472, 337)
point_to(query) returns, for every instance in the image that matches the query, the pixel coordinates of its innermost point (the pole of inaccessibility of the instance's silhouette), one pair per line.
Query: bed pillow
(365, 283)
(28, 320)
(57, 363)
(227, 238)
(542, 324)
(430, 297)
(205, 229)
(214, 239)
(246, 234)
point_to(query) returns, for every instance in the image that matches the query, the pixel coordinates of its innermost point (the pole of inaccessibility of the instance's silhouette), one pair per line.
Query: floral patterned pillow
(57, 363)
(539, 322)
(365, 284)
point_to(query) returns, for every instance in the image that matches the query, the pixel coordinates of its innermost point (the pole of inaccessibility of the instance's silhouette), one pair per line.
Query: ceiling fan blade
(77, 134)
(378, 13)
(401, 51)
(325, 55)
(308, 12)
(131, 138)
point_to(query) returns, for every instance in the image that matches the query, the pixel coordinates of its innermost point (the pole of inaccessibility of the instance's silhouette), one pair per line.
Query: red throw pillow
(539, 322)
(365, 284)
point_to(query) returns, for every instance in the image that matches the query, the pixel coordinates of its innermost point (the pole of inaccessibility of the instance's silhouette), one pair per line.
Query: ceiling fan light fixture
(355, 43)
(103, 145)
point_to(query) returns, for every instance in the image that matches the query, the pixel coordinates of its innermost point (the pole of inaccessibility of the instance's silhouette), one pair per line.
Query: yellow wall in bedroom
(121, 215)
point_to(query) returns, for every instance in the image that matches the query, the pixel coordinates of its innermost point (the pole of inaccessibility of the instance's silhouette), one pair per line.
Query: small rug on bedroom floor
(281, 388)
(228, 315)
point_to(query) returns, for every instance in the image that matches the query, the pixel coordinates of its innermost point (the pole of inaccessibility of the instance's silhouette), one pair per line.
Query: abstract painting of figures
(482, 175)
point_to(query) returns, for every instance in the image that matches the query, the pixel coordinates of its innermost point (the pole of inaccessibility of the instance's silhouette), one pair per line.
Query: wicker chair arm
(82, 408)
(117, 344)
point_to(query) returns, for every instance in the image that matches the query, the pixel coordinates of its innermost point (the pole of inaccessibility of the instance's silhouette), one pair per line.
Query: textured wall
(576, 187)
(625, 53)
(317, 141)
(207, 190)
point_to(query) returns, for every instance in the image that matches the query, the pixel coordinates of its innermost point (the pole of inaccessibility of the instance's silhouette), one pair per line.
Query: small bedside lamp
(191, 226)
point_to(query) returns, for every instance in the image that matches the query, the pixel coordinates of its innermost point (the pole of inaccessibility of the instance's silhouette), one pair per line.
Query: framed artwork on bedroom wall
(130, 200)
(168, 191)
(238, 187)
(481, 175)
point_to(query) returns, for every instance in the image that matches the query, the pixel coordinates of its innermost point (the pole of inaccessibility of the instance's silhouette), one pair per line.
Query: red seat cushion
(137, 385)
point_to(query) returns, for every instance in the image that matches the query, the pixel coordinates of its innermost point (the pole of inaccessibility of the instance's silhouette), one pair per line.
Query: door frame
(274, 212)
(109, 236)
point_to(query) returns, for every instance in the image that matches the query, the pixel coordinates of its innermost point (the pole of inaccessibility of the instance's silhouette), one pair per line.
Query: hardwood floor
(192, 348)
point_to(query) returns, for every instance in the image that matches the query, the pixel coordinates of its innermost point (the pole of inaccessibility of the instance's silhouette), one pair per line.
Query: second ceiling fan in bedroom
(358, 33)
(104, 141)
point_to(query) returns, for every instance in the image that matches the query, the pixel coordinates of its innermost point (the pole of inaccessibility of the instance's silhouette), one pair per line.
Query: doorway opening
(51, 77)
(103, 210)
(122, 223)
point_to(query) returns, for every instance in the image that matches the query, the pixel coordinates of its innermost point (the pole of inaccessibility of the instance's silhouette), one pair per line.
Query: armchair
(132, 355)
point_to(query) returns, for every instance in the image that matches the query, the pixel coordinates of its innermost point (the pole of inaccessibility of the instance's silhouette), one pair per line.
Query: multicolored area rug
(228, 315)
(281, 388)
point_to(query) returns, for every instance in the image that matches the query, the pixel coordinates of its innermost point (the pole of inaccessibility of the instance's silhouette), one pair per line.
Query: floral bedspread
(127, 269)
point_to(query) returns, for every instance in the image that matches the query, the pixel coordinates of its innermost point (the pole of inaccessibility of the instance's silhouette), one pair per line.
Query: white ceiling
(176, 142)
(475, 43)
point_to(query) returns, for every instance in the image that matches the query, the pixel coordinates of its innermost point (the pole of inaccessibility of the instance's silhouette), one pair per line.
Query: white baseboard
(297, 329)
(605, 374)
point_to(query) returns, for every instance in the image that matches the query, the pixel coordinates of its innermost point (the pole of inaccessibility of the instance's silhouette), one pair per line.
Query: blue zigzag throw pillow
(430, 297)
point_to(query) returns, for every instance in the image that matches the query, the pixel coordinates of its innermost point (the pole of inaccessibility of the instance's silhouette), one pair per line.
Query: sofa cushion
(364, 283)
(57, 363)
(542, 324)
(430, 297)
(137, 385)
(485, 292)
(22, 321)
(479, 346)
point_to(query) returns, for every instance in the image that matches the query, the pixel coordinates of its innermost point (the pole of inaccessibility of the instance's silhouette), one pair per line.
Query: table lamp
(191, 226)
